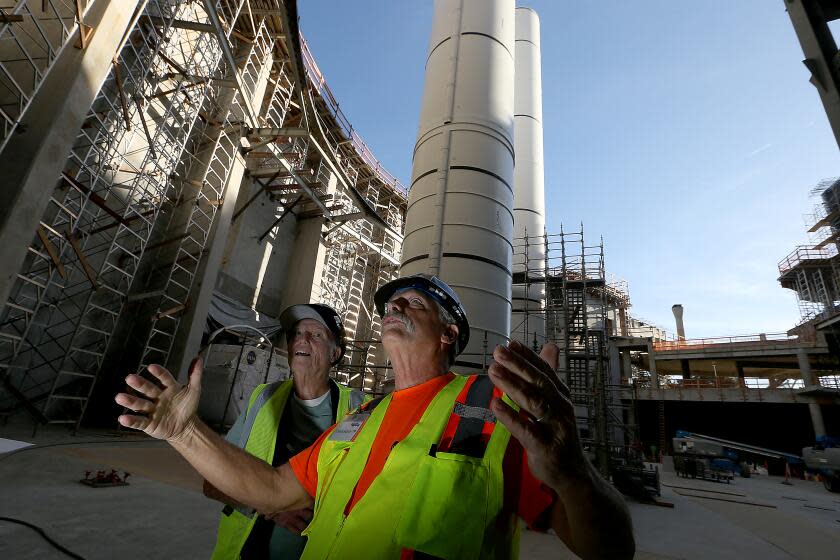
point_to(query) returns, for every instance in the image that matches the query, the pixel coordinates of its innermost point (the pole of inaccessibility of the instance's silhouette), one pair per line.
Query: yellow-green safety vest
(259, 437)
(444, 505)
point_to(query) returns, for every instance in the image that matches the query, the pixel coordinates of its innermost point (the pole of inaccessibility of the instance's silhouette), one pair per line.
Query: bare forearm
(237, 474)
(592, 518)
(215, 494)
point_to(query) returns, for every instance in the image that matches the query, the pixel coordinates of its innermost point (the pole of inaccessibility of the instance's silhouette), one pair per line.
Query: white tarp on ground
(7, 445)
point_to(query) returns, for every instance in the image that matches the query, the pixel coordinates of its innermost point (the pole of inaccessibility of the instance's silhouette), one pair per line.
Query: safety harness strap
(471, 422)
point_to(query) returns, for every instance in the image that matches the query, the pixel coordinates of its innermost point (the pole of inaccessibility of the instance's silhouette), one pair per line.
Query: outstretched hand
(548, 431)
(168, 408)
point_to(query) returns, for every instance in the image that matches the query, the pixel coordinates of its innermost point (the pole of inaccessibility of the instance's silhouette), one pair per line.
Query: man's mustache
(409, 325)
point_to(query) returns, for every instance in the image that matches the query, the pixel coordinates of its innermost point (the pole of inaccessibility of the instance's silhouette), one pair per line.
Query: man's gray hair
(447, 319)
(445, 316)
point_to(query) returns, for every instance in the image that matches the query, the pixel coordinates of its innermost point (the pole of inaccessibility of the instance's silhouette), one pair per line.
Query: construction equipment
(824, 459)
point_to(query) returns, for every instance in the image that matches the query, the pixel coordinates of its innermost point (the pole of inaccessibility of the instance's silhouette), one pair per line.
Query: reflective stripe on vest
(471, 422)
(259, 438)
(441, 504)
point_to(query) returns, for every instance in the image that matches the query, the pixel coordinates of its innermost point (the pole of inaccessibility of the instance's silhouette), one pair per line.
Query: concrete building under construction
(212, 180)
(177, 172)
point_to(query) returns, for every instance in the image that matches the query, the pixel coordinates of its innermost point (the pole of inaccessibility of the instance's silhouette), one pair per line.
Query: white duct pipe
(459, 222)
(678, 315)
(527, 318)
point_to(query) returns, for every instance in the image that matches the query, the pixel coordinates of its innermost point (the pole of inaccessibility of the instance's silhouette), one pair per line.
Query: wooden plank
(169, 312)
(88, 270)
(162, 243)
(51, 250)
(145, 295)
(181, 70)
(93, 197)
(116, 223)
(183, 24)
(123, 102)
(181, 88)
(85, 31)
(146, 128)
(243, 37)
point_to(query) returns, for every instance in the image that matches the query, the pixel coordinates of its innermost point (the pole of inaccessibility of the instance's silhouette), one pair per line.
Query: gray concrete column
(615, 363)
(303, 281)
(805, 368)
(308, 254)
(33, 160)
(809, 380)
(817, 419)
(626, 368)
(654, 376)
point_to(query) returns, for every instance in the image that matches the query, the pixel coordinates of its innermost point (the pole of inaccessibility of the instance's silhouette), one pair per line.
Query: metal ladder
(210, 182)
(84, 218)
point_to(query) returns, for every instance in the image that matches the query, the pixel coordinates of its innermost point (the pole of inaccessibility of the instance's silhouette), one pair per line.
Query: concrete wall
(255, 273)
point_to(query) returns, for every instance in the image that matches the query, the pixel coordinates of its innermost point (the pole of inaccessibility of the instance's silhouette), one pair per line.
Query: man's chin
(393, 330)
(301, 361)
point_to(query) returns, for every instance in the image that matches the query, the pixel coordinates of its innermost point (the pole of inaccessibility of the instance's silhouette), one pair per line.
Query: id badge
(349, 427)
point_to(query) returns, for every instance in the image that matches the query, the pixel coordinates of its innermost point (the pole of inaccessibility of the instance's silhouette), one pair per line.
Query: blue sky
(686, 134)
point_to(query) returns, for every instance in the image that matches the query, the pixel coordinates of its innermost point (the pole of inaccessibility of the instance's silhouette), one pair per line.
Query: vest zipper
(337, 535)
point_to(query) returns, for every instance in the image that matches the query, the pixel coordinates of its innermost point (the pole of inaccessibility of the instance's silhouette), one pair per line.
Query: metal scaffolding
(582, 309)
(116, 184)
(32, 36)
(813, 270)
(197, 89)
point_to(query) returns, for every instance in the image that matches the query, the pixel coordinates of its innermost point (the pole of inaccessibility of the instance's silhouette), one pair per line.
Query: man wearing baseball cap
(282, 419)
(443, 467)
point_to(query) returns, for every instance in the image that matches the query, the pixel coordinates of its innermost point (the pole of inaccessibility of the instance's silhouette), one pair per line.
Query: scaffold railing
(320, 85)
(768, 339)
(806, 254)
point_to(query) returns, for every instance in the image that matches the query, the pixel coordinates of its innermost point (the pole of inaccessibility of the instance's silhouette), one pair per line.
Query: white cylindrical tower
(459, 222)
(678, 316)
(527, 321)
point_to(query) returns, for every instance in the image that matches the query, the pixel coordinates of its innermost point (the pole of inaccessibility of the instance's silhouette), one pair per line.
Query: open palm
(169, 409)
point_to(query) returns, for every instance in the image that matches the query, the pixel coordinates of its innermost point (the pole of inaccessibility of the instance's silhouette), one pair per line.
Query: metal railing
(321, 87)
(805, 253)
(752, 339)
(726, 382)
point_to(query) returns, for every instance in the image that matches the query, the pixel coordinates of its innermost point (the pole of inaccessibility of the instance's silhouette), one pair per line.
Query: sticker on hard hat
(349, 427)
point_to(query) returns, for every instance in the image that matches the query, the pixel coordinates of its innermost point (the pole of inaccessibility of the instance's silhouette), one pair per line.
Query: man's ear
(450, 334)
(336, 352)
